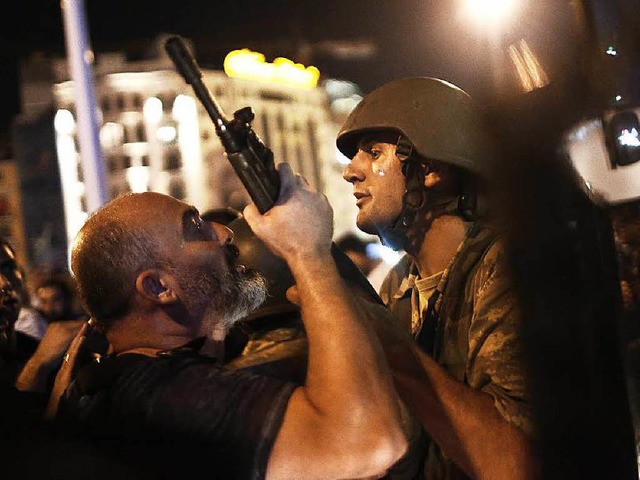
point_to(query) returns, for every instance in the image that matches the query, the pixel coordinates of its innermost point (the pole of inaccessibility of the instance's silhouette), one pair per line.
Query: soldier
(418, 153)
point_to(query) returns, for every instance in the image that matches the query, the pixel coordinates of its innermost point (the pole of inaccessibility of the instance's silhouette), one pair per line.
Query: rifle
(251, 159)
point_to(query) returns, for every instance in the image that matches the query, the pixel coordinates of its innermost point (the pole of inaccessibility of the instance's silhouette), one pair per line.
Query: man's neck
(439, 244)
(147, 334)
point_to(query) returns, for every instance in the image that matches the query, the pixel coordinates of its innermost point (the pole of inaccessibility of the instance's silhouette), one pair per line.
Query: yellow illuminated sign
(245, 63)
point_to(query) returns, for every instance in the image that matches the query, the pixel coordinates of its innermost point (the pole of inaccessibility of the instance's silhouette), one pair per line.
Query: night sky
(411, 37)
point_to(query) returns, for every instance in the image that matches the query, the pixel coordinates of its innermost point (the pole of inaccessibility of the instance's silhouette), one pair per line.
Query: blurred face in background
(51, 301)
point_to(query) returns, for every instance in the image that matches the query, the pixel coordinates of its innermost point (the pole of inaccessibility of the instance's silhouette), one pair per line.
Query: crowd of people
(229, 342)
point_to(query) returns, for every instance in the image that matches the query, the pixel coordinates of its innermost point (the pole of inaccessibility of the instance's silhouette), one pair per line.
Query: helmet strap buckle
(404, 149)
(413, 201)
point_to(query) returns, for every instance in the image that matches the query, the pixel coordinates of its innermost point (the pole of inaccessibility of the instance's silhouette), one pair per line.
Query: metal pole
(80, 58)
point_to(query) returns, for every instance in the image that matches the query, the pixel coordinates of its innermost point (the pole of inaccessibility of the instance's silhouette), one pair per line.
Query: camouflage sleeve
(496, 357)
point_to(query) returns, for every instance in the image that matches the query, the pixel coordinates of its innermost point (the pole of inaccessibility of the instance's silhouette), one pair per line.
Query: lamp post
(80, 58)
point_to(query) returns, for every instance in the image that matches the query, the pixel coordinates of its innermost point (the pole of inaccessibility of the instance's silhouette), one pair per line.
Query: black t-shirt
(177, 415)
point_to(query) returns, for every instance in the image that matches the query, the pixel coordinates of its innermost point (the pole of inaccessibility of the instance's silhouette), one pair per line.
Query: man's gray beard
(231, 298)
(251, 293)
(222, 301)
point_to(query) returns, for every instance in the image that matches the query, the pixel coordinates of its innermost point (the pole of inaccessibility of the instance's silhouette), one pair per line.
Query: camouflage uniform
(477, 338)
(277, 347)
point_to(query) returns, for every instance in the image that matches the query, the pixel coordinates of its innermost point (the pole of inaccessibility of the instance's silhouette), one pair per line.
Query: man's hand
(67, 369)
(300, 224)
(48, 356)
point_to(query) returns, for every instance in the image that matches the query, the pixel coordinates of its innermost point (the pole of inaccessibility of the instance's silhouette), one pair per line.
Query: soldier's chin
(366, 225)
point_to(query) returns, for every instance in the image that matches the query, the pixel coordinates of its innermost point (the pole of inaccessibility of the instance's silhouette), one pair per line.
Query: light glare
(64, 122)
(138, 178)
(152, 110)
(166, 133)
(629, 138)
(489, 11)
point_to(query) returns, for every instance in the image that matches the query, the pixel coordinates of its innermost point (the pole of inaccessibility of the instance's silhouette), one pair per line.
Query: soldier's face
(378, 183)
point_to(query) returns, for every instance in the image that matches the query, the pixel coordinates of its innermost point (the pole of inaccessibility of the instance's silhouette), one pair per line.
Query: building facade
(155, 136)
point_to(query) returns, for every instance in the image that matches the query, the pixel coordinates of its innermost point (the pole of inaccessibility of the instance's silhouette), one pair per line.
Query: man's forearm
(357, 424)
(465, 424)
(34, 376)
(339, 335)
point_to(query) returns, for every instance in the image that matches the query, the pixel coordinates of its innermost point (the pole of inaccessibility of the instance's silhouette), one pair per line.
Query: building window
(105, 106)
(141, 135)
(177, 189)
(113, 163)
(172, 161)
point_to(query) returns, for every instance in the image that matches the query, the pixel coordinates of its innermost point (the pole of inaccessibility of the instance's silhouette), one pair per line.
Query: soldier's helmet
(440, 120)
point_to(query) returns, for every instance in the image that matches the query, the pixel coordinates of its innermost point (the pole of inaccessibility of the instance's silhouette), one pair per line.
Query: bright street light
(489, 12)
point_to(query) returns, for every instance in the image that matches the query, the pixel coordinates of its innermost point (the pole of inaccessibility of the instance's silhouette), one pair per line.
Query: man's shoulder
(494, 258)
(133, 376)
(153, 405)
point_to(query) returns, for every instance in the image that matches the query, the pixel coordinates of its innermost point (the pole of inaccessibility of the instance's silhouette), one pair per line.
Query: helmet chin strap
(415, 198)
(396, 236)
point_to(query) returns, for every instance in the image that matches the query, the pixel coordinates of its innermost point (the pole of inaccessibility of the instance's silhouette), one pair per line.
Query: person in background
(361, 252)
(13, 355)
(54, 298)
(419, 156)
(24, 372)
(31, 324)
(20, 410)
(32, 447)
(168, 290)
(356, 249)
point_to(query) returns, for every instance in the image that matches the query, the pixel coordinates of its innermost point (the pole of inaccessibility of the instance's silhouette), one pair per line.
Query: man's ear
(155, 286)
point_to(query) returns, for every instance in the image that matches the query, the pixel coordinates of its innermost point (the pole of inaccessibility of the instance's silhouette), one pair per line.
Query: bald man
(161, 283)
